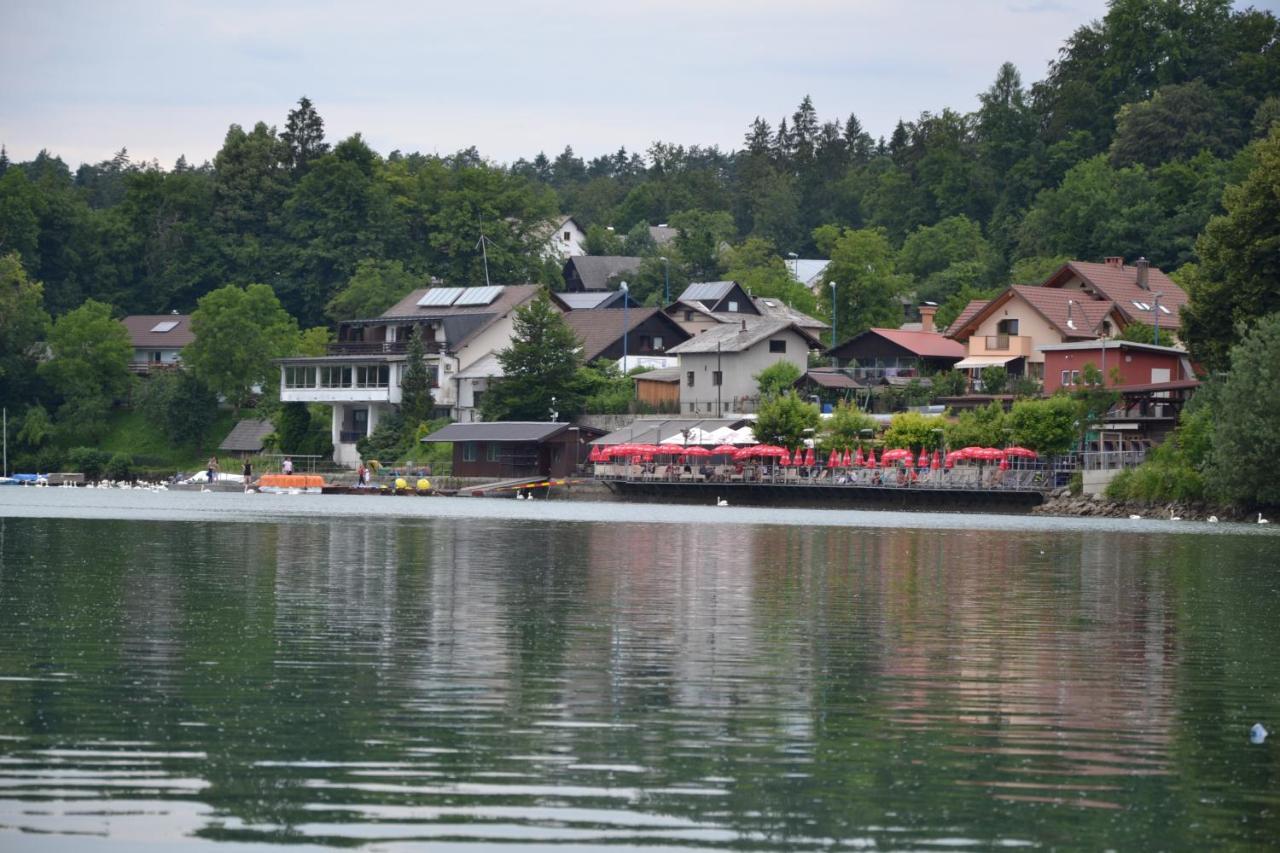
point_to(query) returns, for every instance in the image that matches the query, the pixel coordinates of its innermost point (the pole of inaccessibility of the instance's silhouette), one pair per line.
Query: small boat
(291, 484)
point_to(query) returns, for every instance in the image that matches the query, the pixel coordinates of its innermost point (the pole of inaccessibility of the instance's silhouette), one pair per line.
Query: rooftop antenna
(482, 244)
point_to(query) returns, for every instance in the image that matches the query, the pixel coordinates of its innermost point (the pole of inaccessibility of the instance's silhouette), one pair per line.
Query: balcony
(380, 347)
(349, 436)
(1007, 345)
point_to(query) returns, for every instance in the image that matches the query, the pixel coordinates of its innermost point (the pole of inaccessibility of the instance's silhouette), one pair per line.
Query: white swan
(1135, 518)
(721, 502)
(1173, 517)
(1262, 520)
(1213, 519)
(520, 496)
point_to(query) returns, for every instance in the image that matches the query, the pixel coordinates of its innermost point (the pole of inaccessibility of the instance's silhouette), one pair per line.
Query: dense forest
(1151, 134)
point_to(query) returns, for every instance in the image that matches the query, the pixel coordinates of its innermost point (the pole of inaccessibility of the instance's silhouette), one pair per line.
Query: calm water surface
(184, 670)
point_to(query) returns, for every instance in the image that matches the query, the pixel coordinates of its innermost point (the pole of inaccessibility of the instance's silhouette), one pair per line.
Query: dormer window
(733, 306)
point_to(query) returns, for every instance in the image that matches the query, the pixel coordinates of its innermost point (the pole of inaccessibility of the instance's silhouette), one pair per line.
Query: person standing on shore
(287, 466)
(247, 473)
(212, 469)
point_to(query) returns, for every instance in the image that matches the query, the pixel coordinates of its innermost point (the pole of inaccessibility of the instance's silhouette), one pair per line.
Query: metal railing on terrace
(379, 347)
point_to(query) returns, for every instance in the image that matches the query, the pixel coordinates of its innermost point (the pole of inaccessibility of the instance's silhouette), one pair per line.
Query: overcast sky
(85, 79)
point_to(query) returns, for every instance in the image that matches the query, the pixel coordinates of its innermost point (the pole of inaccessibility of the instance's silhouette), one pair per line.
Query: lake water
(184, 670)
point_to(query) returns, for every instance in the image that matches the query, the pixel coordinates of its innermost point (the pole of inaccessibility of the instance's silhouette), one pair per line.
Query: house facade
(565, 238)
(718, 367)
(1010, 330)
(1122, 363)
(157, 340)
(509, 449)
(878, 354)
(361, 376)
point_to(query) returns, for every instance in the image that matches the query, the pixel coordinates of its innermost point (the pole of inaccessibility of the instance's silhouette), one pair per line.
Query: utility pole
(481, 245)
(720, 384)
(6, 442)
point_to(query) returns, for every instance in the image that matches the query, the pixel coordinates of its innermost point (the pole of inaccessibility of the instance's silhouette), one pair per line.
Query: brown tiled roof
(965, 315)
(139, 327)
(1072, 314)
(1120, 285)
(923, 344)
(1081, 319)
(600, 329)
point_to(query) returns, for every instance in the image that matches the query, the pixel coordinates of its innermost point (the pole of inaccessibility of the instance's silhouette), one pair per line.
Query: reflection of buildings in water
(1011, 642)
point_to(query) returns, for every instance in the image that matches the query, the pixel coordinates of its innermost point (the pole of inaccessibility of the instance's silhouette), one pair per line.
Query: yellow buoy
(401, 483)
(424, 485)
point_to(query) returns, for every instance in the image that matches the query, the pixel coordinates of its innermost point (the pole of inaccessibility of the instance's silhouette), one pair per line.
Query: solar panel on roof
(479, 295)
(166, 326)
(439, 297)
(706, 290)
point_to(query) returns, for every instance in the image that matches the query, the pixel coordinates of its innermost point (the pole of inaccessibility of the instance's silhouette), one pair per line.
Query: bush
(949, 383)
(88, 461)
(845, 427)
(913, 430)
(980, 427)
(1158, 481)
(1076, 484)
(49, 459)
(119, 467)
(994, 379)
(1048, 426)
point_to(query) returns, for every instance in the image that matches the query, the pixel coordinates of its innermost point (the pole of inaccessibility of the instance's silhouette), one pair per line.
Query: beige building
(719, 366)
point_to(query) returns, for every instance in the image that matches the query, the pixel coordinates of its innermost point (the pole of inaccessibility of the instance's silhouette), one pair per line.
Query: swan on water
(1213, 519)
(1135, 518)
(1262, 520)
(721, 502)
(520, 496)
(1173, 517)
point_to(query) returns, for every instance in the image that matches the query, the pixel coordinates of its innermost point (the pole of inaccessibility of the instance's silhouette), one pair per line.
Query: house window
(1066, 377)
(373, 376)
(733, 306)
(688, 316)
(717, 377)
(1008, 326)
(778, 346)
(155, 356)
(335, 377)
(491, 452)
(468, 451)
(299, 377)
(688, 378)
(1075, 377)
(657, 343)
(566, 236)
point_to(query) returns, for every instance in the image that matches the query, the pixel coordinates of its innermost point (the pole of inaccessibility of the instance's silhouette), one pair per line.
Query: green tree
(88, 365)
(1238, 280)
(756, 266)
(980, 427)
(845, 426)
(1244, 466)
(304, 135)
(238, 331)
(1177, 123)
(777, 378)
(540, 368)
(416, 401)
(868, 288)
(314, 341)
(179, 405)
(1141, 333)
(1049, 426)
(373, 288)
(946, 257)
(698, 241)
(602, 241)
(786, 420)
(914, 430)
(994, 379)
(23, 323)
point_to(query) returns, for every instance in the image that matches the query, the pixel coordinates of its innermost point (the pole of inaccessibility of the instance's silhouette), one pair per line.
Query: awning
(984, 361)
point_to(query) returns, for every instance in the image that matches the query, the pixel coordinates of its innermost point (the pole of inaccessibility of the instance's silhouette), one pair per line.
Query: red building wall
(1135, 365)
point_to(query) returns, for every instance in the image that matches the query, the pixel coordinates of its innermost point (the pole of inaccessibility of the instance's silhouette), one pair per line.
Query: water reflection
(679, 685)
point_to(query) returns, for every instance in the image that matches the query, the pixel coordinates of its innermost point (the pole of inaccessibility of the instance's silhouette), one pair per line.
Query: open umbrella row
(807, 458)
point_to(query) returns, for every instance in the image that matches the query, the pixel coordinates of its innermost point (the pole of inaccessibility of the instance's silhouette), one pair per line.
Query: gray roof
(663, 234)
(247, 435)
(776, 309)
(498, 431)
(707, 291)
(735, 338)
(143, 332)
(806, 270)
(596, 270)
(662, 374)
(586, 300)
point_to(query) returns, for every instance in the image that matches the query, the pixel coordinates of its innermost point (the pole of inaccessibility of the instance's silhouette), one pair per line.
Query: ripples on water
(882, 680)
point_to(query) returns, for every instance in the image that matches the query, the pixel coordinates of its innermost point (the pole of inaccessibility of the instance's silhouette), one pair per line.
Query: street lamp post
(1155, 335)
(795, 265)
(835, 362)
(625, 299)
(666, 281)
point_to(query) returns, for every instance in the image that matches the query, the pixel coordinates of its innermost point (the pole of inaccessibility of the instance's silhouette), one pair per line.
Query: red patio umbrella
(937, 460)
(1004, 464)
(724, 450)
(785, 458)
(923, 461)
(847, 461)
(833, 461)
(594, 455)
(871, 459)
(1024, 452)
(695, 451)
(810, 458)
(857, 459)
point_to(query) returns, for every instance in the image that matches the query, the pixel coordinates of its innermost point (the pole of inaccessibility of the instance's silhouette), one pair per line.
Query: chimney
(743, 331)
(927, 310)
(1143, 267)
(1114, 261)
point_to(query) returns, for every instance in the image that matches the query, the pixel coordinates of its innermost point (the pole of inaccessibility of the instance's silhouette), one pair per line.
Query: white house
(718, 366)
(157, 340)
(360, 378)
(565, 239)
